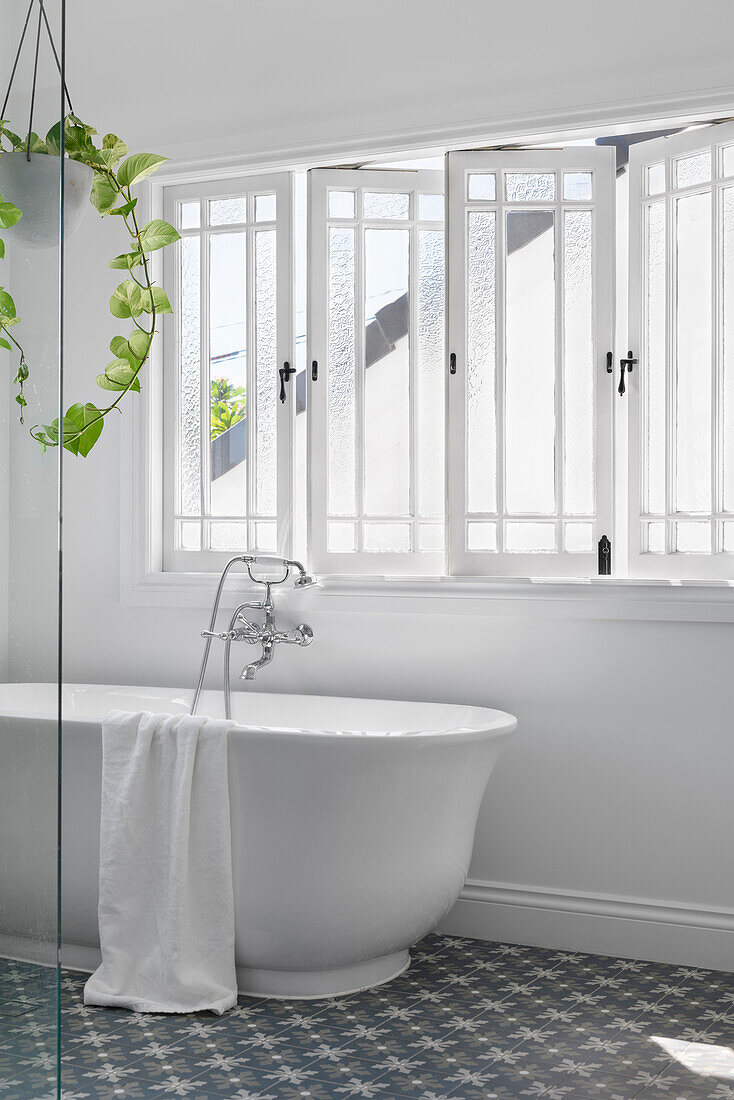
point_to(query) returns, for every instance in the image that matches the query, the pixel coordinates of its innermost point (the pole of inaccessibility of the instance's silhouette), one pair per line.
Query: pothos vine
(137, 297)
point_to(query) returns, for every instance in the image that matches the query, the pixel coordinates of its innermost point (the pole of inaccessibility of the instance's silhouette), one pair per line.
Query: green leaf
(139, 343)
(2, 249)
(103, 195)
(83, 423)
(127, 301)
(7, 307)
(9, 215)
(118, 375)
(13, 138)
(125, 209)
(157, 297)
(5, 344)
(127, 260)
(37, 144)
(113, 150)
(157, 234)
(53, 140)
(137, 167)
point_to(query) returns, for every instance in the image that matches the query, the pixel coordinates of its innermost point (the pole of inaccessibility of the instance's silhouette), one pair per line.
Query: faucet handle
(300, 635)
(223, 635)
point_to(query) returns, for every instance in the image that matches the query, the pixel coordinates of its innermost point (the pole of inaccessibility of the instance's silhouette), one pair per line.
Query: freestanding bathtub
(352, 824)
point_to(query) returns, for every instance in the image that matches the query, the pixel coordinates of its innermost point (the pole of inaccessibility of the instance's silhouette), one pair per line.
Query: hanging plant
(137, 298)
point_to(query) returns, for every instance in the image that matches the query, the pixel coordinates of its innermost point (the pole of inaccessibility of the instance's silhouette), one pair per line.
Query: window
(413, 370)
(682, 329)
(228, 437)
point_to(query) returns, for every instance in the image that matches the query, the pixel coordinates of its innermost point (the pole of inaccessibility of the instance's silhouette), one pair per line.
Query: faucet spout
(250, 671)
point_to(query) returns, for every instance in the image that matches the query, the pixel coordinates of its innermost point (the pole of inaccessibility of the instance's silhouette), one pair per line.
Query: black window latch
(285, 372)
(605, 557)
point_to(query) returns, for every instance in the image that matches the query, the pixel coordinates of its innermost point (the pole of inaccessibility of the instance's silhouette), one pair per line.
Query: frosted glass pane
(693, 169)
(693, 365)
(341, 204)
(692, 538)
(655, 538)
(530, 538)
(266, 373)
(387, 538)
(578, 186)
(481, 536)
(190, 379)
(578, 538)
(341, 537)
(342, 492)
(228, 211)
(530, 299)
(481, 411)
(526, 186)
(482, 185)
(228, 371)
(430, 373)
(189, 534)
(228, 536)
(189, 215)
(431, 537)
(656, 178)
(387, 377)
(727, 160)
(430, 208)
(726, 538)
(383, 204)
(578, 364)
(265, 206)
(266, 537)
(727, 349)
(653, 363)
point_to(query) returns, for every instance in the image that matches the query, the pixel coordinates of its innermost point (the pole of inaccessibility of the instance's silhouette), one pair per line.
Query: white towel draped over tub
(166, 907)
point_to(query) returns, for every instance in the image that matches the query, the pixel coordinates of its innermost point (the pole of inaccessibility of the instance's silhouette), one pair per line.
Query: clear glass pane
(228, 373)
(656, 178)
(727, 349)
(341, 204)
(387, 538)
(578, 538)
(654, 540)
(266, 373)
(189, 215)
(482, 185)
(189, 423)
(530, 186)
(692, 538)
(431, 537)
(481, 537)
(228, 535)
(189, 534)
(265, 207)
(387, 437)
(653, 361)
(693, 363)
(727, 160)
(530, 538)
(430, 208)
(578, 363)
(726, 538)
(341, 537)
(530, 362)
(578, 186)
(430, 373)
(342, 479)
(694, 169)
(385, 204)
(228, 211)
(266, 537)
(481, 410)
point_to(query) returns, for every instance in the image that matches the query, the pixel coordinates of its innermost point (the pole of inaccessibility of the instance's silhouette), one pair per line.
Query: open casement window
(531, 272)
(227, 468)
(376, 371)
(681, 394)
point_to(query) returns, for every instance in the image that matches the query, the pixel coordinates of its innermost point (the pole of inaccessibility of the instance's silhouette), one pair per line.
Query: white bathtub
(352, 824)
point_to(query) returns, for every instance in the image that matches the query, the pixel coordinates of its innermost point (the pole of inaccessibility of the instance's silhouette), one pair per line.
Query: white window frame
(672, 565)
(281, 184)
(320, 182)
(600, 162)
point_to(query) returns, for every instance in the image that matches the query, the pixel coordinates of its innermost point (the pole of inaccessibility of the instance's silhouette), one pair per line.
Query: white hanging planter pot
(33, 185)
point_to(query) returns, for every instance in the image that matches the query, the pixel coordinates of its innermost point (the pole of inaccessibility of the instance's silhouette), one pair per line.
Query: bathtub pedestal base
(310, 985)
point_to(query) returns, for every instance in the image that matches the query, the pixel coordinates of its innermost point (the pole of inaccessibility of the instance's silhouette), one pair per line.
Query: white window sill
(585, 598)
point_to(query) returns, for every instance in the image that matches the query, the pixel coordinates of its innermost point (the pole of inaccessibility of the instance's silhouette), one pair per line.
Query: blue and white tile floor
(469, 1021)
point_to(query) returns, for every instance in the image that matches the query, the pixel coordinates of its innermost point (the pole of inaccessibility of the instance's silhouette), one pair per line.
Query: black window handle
(625, 364)
(285, 372)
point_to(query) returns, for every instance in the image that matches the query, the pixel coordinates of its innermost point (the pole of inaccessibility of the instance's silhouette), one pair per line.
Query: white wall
(617, 788)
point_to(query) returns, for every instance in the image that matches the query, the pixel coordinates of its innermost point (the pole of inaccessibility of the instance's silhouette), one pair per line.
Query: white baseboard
(655, 931)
